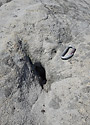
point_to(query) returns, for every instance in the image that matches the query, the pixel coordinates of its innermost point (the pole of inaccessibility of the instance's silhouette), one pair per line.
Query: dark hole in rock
(41, 73)
(13, 109)
(43, 111)
(53, 51)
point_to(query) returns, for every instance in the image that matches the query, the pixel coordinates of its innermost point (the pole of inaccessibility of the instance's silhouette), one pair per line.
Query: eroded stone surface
(36, 32)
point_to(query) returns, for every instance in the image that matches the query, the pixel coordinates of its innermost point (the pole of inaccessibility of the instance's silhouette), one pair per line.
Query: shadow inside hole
(41, 73)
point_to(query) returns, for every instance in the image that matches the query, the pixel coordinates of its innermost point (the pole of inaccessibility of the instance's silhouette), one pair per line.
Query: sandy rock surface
(37, 87)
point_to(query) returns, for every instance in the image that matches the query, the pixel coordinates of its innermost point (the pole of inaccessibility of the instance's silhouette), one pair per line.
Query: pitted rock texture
(37, 87)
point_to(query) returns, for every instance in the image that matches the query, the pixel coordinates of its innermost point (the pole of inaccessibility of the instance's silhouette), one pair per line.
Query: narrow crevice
(41, 73)
(29, 71)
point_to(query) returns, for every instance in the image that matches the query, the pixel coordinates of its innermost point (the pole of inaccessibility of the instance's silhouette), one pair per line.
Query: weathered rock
(37, 87)
(4, 1)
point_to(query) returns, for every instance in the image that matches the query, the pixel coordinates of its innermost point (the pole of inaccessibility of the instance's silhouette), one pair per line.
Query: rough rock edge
(7, 1)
